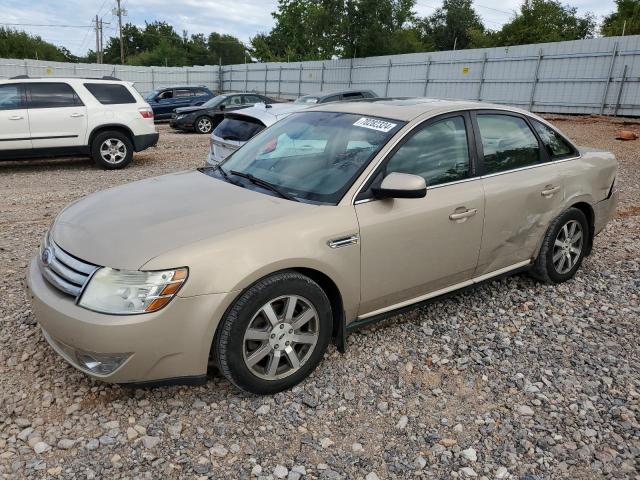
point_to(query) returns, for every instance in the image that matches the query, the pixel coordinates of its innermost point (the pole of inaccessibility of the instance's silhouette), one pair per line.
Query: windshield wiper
(264, 184)
(224, 174)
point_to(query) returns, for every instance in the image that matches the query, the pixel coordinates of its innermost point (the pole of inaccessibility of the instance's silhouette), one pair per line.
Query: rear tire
(203, 125)
(564, 247)
(275, 334)
(112, 150)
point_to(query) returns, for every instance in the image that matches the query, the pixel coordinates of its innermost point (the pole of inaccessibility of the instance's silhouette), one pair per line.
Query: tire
(112, 150)
(203, 125)
(263, 362)
(557, 245)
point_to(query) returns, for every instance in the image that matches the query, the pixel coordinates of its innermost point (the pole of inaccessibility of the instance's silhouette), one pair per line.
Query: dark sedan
(205, 118)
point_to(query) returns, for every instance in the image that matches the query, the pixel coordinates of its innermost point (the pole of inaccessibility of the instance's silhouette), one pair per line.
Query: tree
(451, 25)
(321, 29)
(226, 47)
(546, 21)
(626, 17)
(15, 44)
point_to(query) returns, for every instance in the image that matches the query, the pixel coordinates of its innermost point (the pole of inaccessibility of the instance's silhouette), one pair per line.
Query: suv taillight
(146, 112)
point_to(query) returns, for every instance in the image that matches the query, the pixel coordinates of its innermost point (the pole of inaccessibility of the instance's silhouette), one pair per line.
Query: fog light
(100, 363)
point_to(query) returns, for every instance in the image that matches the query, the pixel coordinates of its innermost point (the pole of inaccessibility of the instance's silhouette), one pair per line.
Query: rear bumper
(142, 142)
(604, 211)
(168, 346)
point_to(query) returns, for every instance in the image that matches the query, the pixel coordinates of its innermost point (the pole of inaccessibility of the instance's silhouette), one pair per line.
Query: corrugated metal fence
(585, 76)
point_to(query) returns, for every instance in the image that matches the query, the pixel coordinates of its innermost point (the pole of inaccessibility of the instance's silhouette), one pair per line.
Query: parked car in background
(335, 96)
(238, 127)
(105, 118)
(165, 100)
(331, 219)
(204, 118)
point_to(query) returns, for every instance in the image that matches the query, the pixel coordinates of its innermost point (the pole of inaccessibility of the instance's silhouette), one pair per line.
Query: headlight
(127, 292)
(180, 117)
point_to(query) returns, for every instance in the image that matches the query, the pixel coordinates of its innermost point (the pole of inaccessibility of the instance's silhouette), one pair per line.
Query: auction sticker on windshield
(375, 124)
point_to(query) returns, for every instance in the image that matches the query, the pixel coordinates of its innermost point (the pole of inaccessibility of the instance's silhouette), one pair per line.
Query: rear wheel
(203, 125)
(112, 150)
(275, 334)
(563, 248)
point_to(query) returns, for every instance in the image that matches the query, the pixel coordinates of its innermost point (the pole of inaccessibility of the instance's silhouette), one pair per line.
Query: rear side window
(110, 93)
(10, 96)
(52, 95)
(507, 143)
(557, 146)
(183, 93)
(238, 130)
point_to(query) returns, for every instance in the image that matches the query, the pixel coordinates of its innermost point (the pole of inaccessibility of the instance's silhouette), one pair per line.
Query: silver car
(238, 127)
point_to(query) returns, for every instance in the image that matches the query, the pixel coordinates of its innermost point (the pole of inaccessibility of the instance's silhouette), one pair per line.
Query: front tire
(563, 248)
(112, 150)
(275, 334)
(203, 125)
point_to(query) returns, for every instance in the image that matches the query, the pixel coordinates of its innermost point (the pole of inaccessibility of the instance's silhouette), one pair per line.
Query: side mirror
(222, 107)
(401, 185)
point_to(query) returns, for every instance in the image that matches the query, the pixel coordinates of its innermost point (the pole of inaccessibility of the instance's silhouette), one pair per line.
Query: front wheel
(203, 125)
(275, 334)
(563, 248)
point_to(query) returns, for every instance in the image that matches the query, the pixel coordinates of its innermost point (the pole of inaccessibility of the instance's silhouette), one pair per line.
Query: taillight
(146, 112)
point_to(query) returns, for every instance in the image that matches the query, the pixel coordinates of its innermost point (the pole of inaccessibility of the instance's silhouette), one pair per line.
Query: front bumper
(181, 124)
(173, 343)
(142, 142)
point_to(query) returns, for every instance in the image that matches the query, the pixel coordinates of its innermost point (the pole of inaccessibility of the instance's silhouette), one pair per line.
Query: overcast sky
(242, 18)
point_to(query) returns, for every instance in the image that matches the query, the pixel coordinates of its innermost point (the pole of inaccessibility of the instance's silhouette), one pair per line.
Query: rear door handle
(16, 117)
(549, 190)
(77, 115)
(463, 215)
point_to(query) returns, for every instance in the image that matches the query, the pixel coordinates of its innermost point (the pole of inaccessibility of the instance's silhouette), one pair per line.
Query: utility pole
(97, 39)
(120, 12)
(101, 42)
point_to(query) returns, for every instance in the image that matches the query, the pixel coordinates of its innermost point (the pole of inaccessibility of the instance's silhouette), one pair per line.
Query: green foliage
(453, 25)
(315, 30)
(15, 44)
(546, 21)
(159, 44)
(627, 16)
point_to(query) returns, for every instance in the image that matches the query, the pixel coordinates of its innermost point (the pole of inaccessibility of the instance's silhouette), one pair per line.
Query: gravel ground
(511, 380)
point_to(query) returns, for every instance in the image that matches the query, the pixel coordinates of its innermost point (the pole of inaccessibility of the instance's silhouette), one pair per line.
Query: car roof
(326, 93)
(186, 87)
(269, 115)
(406, 109)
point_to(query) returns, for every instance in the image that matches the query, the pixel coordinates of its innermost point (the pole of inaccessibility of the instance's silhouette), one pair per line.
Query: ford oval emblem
(47, 255)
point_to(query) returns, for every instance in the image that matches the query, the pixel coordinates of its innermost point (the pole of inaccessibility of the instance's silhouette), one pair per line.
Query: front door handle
(77, 115)
(16, 117)
(549, 190)
(462, 215)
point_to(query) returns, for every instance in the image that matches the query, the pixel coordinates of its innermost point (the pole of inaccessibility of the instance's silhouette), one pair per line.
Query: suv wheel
(275, 334)
(112, 150)
(563, 248)
(203, 125)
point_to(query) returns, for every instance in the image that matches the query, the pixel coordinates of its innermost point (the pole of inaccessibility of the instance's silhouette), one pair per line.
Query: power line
(43, 25)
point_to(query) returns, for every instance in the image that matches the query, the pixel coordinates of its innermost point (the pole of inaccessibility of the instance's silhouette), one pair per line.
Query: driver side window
(438, 152)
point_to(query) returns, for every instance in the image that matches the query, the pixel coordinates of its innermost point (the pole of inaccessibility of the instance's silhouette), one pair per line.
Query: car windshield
(215, 101)
(151, 95)
(311, 156)
(307, 99)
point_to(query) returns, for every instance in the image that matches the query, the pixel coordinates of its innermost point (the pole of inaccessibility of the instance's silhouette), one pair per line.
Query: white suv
(46, 117)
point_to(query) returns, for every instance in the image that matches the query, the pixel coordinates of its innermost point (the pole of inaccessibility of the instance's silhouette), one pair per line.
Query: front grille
(62, 270)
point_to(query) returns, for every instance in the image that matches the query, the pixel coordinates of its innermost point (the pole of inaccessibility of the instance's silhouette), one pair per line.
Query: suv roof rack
(105, 77)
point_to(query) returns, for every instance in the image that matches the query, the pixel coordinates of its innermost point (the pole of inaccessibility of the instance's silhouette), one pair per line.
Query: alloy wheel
(204, 125)
(567, 247)
(281, 337)
(113, 151)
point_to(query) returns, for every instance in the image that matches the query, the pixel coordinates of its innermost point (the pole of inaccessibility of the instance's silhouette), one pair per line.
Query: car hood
(189, 109)
(126, 226)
